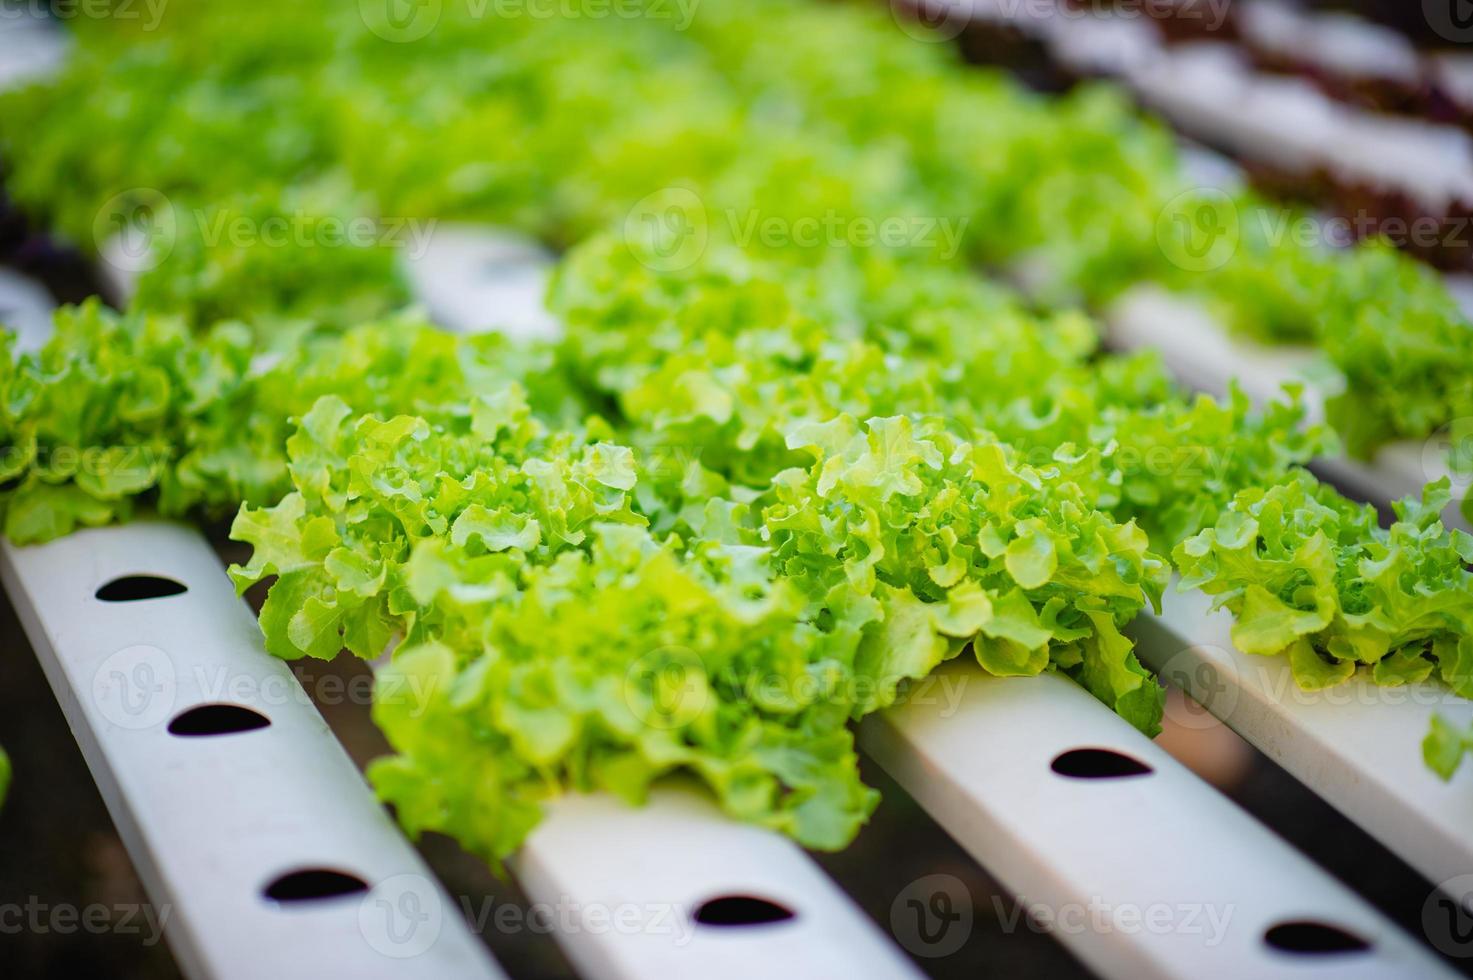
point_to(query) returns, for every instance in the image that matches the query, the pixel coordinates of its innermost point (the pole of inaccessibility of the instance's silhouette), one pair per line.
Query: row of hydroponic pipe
(780, 445)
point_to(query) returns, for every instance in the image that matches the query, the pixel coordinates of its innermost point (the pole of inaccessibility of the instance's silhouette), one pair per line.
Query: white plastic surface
(25, 307)
(1357, 745)
(1213, 92)
(211, 821)
(469, 278)
(31, 45)
(1150, 875)
(1334, 42)
(656, 866)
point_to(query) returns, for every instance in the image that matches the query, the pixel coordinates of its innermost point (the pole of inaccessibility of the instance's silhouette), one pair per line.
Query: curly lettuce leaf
(1310, 575)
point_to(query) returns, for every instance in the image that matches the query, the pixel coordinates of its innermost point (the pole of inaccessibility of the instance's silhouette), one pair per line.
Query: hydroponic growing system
(249, 821)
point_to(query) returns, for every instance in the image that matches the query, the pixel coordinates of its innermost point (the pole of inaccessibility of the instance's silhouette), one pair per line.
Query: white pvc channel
(1214, 93)
(248, 823)
(1145, 870)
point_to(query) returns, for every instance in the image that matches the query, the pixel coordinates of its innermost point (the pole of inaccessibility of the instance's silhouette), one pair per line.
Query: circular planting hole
(132, 588)
(1311, 937)
(741, 910)
(313, 884)
(1098, 764)
(217, 719)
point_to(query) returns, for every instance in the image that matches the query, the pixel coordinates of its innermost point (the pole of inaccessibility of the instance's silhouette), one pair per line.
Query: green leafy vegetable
(1313, 576)
(791, 454)
(794, 130)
